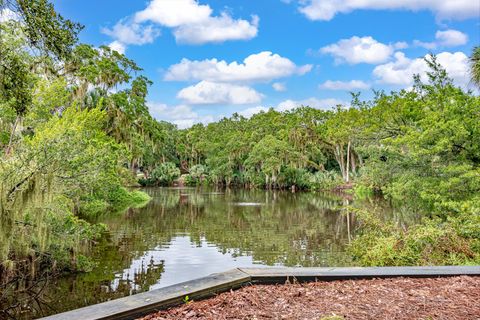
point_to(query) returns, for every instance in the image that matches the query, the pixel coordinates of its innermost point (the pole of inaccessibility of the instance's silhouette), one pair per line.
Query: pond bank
(149, 302)
(398, 298)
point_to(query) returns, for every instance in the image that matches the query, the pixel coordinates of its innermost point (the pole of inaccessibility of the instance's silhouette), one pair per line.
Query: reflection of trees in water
(291, 229)
(50, 296)
(303, 229)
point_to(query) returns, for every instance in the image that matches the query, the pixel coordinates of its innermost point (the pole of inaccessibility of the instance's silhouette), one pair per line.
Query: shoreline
(143, 304)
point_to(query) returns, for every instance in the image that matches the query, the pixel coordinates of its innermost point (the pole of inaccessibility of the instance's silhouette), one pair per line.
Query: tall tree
(475, 66)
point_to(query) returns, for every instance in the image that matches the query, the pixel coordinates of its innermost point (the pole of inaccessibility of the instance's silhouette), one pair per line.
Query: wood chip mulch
(398, 298)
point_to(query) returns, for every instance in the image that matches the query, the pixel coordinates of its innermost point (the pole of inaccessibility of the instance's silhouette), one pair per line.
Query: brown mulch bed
(398, 298)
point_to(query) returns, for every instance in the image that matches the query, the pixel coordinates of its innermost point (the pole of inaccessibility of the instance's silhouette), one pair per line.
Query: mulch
(398, 298)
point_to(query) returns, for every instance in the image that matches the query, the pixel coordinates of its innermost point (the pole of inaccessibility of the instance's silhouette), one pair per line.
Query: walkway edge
(148, 302)
(281, 275)
(141, 304)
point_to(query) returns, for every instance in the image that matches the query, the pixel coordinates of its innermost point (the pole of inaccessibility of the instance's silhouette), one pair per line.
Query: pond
(186, 233)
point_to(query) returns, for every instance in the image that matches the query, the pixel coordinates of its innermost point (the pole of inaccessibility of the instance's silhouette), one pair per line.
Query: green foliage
(475, 65)
(46, 29)
(425, 151)
(325, 180)
(269, 150)
(300, 178)
(198, 175)
(418, 146)
(69, 145)
(435, 242)
(164, 174)
(16, 80)
(70, 166)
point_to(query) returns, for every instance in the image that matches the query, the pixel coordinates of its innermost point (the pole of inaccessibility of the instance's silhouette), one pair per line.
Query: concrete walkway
(145, 303)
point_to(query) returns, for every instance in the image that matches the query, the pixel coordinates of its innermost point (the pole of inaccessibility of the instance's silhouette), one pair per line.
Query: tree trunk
(12, 133)
(354, 162)
(338, 152)
(347, 175)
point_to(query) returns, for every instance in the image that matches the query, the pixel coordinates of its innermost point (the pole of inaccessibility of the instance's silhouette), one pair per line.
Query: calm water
(188, 233)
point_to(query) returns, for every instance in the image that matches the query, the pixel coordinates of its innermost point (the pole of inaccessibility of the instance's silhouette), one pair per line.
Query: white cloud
(324, 104)
(128, 32)
(182, 115)
(279, 86)
(7, 15)
(451, 38)
(443, 9)
(400, 45)
(174, 13)
(218, 29)
(194, 23)
(401, 71)
(447, 38)
(344, 85)
(264, 66)
(249, 112)
(426, 45)
(118, 46)
(206, 92)
(360, 50)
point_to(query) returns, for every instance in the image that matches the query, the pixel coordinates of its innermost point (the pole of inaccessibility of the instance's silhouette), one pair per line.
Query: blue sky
(211, 58)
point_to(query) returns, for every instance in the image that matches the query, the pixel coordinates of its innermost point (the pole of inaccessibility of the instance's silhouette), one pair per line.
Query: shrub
(198, 174)
(325, 180)
(434, 242)
(301, 178)
(165, 173)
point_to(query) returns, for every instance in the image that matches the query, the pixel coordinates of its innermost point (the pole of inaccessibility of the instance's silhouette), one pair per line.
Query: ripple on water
(247, 204)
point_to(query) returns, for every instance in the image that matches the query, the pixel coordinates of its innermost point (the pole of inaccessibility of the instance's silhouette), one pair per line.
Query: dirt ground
(398, 298)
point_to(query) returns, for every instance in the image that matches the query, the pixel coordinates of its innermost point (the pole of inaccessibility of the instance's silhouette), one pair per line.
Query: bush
(111, 200)
(164, 174)
(299, 178)
(198, 175)
(325, 180)
(434, 242)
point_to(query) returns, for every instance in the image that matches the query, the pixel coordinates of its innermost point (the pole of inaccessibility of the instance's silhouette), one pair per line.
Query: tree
(340, 134)
(16, 78)
(475, 66)
(46, 30)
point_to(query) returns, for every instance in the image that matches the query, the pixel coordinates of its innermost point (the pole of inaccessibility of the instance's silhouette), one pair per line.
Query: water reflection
(186, 233)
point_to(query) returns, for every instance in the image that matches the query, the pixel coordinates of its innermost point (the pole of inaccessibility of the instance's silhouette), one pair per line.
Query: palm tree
(475, 66)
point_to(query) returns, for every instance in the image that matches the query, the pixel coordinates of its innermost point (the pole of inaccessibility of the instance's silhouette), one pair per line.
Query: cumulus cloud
(323, 104)
(447, 38)
(361, 50)
(118, 46)
(443, 9)
(401, 70)
(194, 23)
(174, 13)
(128, 32)
(206, 92)
(182, 115)
(344, 85)
(451, 38)
(264, 66)
(279, 86)
(218, 29)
